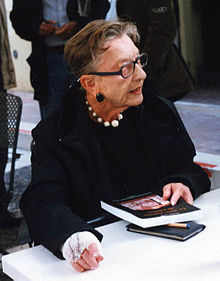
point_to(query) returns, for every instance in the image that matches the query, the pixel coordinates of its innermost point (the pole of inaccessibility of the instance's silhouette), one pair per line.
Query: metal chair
(10, 116)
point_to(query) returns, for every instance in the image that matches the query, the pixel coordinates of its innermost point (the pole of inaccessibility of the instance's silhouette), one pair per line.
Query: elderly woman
(106, 141)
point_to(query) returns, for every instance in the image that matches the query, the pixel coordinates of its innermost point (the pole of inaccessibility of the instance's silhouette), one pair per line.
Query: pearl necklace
(114, 123)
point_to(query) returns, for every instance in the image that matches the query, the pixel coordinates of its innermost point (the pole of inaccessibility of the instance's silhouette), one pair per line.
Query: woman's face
(119, 92)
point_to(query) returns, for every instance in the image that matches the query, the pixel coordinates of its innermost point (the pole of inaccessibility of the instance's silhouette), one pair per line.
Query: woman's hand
(89, 259)
(83, 250)
(175, 191)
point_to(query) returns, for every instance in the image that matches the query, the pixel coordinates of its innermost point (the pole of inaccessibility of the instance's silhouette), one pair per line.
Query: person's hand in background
(47, 27)
(67, 30)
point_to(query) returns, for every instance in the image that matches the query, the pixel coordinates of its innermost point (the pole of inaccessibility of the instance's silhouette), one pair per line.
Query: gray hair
(82, 50)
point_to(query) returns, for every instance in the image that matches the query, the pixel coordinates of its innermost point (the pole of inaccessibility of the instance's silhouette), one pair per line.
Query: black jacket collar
(71, 120)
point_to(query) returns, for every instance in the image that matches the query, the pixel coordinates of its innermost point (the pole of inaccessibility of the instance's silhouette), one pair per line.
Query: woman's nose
(139, 72)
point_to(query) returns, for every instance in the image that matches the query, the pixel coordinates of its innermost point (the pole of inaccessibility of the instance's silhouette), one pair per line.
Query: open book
(151, 210)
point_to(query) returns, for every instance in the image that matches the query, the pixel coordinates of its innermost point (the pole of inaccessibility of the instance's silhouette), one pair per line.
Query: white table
(129, 256)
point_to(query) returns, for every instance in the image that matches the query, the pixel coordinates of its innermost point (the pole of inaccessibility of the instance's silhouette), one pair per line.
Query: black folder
(165, 231)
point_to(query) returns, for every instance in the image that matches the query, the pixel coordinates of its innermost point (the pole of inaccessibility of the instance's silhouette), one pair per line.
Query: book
(148, 210)
(181, 234)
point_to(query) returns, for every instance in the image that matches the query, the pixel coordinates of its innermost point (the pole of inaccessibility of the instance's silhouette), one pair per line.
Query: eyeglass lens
(128, 69)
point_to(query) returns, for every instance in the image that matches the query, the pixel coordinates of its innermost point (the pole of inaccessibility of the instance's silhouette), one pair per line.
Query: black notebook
(165, 231)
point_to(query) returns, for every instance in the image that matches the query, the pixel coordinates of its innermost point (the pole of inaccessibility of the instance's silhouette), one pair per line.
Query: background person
(108, 140)
(48, 24)
(168, 74)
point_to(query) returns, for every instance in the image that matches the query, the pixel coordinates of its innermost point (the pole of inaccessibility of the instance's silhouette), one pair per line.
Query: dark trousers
(149, 88)
(58, 82)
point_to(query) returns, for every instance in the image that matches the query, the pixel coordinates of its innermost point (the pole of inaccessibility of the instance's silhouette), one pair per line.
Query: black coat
(70, 174)
(156, 23)
(26, 17)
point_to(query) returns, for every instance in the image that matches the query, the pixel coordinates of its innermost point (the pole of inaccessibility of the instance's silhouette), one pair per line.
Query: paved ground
(203, 125)
(200, 111)
(30, 111)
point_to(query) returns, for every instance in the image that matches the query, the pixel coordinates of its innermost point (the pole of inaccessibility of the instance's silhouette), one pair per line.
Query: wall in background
(20, 50)
(191, 43)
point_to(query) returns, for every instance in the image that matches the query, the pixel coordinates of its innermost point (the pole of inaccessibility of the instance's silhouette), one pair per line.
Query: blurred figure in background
(168, 74)
(7, 81)
(48, 24)
(7, 72)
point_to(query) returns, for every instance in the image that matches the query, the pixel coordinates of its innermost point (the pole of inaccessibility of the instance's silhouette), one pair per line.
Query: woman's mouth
(137, 91)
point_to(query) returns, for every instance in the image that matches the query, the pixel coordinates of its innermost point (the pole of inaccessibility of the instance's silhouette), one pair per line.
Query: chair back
(10, 116)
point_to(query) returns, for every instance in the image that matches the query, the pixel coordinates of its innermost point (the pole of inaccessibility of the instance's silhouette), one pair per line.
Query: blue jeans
(58, 82)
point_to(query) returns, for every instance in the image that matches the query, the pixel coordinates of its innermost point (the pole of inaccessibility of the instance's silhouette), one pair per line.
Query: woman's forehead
(120, 50)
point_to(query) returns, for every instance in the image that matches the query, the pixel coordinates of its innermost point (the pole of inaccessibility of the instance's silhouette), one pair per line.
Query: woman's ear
(89, 83)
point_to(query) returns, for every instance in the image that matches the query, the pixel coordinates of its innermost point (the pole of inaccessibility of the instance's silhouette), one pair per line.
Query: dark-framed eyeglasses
(127, 69)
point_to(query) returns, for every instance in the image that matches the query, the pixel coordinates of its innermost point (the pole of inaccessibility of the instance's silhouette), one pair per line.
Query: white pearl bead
(120, 116)
(106, 124)
(115, 123)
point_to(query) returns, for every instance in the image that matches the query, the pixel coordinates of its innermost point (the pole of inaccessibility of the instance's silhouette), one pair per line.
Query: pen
(180, 225)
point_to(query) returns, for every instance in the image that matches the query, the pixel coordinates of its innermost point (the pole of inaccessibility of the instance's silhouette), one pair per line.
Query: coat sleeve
(156, 23)
(161, 33)
(27, 15)
(45, 204)
(26, 18)
(182, 167)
